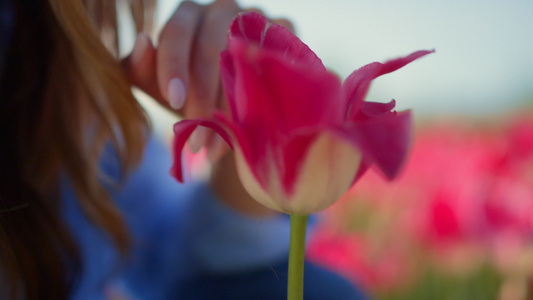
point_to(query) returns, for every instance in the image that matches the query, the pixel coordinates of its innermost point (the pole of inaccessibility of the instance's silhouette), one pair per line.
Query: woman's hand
(182, 74)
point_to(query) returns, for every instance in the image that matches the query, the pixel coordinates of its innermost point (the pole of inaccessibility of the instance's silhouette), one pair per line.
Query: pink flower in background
(357, 258)
(464, 201)
(301, 138)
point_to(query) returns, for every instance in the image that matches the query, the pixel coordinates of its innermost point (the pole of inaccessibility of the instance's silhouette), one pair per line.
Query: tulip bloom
(301, 138)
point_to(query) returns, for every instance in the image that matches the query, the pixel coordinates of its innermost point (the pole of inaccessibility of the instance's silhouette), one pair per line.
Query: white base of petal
(325, 175)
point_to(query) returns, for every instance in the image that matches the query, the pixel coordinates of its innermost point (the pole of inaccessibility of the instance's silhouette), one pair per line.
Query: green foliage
(482, 285)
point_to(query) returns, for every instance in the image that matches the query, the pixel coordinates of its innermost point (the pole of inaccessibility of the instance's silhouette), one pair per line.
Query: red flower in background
(301, 138)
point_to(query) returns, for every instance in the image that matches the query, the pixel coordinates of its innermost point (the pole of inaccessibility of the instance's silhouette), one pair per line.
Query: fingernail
(216, 149)
(176, 93)
(141, 43)
(198, 139)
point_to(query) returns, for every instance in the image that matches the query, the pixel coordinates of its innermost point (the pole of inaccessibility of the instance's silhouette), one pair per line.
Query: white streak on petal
(264, 33)
(252, 186)
(326, 174)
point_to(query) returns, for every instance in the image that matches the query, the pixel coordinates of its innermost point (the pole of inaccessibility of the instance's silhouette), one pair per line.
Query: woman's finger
(140, 68)
(205, 83)
(285, 23)
(174, 52)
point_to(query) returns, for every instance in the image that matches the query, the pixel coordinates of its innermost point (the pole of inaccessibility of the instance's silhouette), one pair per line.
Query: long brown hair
(63, 96)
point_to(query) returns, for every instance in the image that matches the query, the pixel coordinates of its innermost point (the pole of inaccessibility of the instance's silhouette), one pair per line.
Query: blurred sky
(484, 58)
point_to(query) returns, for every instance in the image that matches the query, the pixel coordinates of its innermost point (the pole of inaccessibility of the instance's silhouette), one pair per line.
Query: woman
(87, 209)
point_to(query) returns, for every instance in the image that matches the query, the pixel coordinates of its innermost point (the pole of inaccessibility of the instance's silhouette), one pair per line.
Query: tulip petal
(384, 140)
(182, 132)
(357, 84)
(375, 109)
(281, 101)
(293, 157)
(267, 192)
(227, 75)
(255, 28)
(254, 159)
(371, 110)
(325, 174)
(250, 26)
(363, 167)
(282, 97)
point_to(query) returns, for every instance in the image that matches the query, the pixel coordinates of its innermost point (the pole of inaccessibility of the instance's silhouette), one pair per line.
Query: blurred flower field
(456, 225)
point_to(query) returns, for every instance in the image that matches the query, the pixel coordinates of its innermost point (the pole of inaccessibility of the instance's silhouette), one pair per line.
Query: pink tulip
(357, 257)
(300, 137)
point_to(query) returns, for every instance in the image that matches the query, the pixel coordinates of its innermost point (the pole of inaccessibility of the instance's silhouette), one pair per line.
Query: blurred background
(458, 223)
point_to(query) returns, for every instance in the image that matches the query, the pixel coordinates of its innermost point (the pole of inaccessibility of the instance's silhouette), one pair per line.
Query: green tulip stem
(295, 284)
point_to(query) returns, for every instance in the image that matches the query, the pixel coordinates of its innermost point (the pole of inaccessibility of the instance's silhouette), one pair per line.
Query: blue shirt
(180, 231)
(187, 245)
